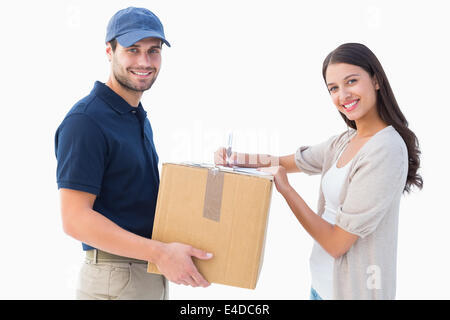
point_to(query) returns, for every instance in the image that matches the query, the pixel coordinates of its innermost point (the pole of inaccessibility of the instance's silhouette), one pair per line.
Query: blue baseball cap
(132, 24)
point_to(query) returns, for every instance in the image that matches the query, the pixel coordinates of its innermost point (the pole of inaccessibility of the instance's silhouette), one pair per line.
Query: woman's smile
(351, 105)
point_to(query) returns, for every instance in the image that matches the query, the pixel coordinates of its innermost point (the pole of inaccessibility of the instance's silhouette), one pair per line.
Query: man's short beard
(123, 81)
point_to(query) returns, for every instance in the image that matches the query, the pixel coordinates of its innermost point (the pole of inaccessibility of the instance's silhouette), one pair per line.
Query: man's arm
(87, 225)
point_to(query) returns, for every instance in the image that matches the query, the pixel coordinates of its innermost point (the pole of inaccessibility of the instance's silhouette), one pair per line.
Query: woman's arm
(247, 160)
(333, 239)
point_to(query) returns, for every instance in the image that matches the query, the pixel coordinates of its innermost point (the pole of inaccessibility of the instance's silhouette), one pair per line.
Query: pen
(229, 149)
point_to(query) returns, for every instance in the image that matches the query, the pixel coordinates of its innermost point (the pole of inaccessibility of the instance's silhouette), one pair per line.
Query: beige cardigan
(369, 208)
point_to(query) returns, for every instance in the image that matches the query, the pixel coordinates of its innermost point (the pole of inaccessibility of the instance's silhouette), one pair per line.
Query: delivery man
(108, 177)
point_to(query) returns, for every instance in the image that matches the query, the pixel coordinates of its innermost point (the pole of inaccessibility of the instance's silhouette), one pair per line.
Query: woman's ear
(375, 83)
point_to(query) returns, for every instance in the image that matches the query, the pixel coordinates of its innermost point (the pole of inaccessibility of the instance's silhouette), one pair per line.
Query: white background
(250, 66)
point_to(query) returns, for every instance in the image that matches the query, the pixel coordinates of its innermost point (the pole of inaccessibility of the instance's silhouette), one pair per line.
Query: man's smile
(141, 74)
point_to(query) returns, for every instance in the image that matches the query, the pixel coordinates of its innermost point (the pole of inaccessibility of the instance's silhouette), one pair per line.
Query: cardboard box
(219, 211)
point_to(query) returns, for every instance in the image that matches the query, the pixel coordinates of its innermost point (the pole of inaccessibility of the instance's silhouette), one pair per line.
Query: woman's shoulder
(387, 139)
(386, 146)
(341, 139)
(384, 142)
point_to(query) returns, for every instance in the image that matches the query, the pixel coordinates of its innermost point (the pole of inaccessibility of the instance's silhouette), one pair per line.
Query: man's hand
(175, 263)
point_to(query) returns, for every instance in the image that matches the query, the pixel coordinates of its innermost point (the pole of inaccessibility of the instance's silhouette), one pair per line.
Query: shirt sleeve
(310, 159)
(81, 150)
(379, 178)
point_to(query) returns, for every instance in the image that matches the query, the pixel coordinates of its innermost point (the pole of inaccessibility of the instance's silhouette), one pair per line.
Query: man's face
(136, 67)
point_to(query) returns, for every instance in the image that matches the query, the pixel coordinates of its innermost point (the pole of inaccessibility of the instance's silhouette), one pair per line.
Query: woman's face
(352, 90)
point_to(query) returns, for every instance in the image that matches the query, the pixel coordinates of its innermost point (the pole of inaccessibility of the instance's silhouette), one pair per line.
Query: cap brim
(130, 38)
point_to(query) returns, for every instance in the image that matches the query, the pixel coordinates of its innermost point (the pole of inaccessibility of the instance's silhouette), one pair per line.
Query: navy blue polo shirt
(104, 146)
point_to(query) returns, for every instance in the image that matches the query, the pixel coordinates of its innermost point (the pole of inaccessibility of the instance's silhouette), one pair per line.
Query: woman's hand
(280, 177)
(220, 158)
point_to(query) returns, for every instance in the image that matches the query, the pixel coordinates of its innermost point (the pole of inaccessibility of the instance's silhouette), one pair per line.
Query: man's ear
(109, 51)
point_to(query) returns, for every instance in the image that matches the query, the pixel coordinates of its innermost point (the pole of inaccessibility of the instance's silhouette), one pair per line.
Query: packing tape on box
(213, 195)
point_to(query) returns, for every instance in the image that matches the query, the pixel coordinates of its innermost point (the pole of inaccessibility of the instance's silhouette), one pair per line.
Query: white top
(321, 262)
(369, 207)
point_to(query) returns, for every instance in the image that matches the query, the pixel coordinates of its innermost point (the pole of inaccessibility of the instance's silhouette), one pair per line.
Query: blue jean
(314, 295)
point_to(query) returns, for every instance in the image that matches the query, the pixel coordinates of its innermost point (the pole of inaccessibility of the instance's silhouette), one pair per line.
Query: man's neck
(132, 97)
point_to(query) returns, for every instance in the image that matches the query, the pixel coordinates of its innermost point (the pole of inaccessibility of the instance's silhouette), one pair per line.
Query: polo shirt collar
(115, 101)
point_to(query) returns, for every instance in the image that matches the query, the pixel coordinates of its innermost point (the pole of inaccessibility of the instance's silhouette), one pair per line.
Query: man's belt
(96, 255)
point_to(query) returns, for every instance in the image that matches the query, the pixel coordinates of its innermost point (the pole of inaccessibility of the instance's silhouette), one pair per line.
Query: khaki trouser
(104, 280)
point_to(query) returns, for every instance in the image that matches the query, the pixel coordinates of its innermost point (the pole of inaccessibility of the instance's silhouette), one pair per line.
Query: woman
(364, 172)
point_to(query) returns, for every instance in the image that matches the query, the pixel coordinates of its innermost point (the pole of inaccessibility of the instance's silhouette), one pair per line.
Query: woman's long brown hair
(359, 55)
